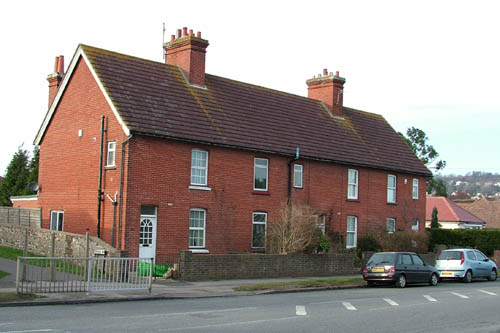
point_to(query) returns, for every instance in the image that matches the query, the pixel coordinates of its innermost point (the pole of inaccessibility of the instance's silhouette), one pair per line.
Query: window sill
(110, 167)
(258, 250)
(201, 188)
(261, 192)
(352, 200)
(298, 187)
(199, 251)
(392, 203)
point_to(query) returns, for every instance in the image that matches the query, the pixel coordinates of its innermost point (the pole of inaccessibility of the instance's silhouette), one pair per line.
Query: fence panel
(26, 217)
(61, 275)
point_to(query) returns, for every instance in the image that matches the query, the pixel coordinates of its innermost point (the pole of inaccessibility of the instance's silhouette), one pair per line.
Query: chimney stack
(188, 52)
(55, 78)
(328, 88)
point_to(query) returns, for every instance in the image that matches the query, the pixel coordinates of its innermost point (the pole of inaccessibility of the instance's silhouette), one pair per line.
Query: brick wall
(251, 266)
(39, 242)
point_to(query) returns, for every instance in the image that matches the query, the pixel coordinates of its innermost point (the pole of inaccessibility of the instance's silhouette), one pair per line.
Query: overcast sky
(434, 65)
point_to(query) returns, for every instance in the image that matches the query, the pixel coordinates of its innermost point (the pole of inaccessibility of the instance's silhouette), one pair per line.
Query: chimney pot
(191, 32)
(56, 64)
(184, 31)
(172, 38)
(60, 67)
(198, 34)
(337, 74)
(325, 72)
(179, 33)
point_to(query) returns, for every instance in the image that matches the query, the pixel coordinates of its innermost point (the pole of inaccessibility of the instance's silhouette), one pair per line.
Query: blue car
(465, 264)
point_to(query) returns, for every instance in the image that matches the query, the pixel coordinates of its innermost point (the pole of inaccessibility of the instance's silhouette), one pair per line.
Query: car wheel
(434, 280)
(468, 277)
(370, 283)
(493, 275)
(401, 281)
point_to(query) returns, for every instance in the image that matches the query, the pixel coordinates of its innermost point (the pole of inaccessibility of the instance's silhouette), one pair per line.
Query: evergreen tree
(15, 180)
(33, 170)
(434, 221)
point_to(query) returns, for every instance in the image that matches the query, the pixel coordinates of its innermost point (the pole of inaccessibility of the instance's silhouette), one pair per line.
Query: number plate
(446, 273)
(377, 269)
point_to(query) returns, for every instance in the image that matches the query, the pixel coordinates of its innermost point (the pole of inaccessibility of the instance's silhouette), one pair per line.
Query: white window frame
(255, 166)
(203, 168)
(54, 225)
(259, 223)
(352, 185)
(415, 227)
(298, 171)
(198, 228)
(390, 221)
(391, 189)
(354, 231)
(111, 154)
(415, 189)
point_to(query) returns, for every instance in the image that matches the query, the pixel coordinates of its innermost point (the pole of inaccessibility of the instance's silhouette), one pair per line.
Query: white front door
(147, 237)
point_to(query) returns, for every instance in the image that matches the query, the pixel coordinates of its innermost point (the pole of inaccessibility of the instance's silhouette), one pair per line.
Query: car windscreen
(381, 258)
(450, 255)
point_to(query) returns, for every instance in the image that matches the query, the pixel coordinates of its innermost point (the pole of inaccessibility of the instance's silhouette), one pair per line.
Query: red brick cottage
(156, 158)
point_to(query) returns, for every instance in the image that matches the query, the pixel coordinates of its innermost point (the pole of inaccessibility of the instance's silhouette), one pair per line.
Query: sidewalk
(162, 289)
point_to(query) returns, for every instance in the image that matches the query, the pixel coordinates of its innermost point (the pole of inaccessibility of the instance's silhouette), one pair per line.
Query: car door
(406, 266)
(483, 264)
(471, 261)
(422, 271)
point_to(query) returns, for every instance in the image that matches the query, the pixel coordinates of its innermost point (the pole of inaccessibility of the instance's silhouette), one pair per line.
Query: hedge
(485, 240)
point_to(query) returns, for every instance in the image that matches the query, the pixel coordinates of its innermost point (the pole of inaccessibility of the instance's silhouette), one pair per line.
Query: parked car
(465, 264)
(400, 268)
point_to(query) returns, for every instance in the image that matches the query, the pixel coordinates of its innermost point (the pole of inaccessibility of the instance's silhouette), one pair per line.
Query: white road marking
(186, 313)
(300, 310)
(349, 306)
(391, 302)
(430, 299)
(43, 330)
(460, 295)
(487, 292)
(228, 324)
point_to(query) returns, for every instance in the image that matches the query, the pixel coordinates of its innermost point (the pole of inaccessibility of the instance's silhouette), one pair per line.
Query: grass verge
(3, 274)
(12, 254)
(324, 283)
(14, 297)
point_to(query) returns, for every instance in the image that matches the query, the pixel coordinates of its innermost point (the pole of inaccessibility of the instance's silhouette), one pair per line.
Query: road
(449, 307)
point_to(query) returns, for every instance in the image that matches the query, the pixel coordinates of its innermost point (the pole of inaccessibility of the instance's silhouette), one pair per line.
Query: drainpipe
(99, 186)
(297, 156)
(118, 246)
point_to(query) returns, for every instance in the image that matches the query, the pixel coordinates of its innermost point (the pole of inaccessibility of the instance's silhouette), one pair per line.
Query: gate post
(151, 275)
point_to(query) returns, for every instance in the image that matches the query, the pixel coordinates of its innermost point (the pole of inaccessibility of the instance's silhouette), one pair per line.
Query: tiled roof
(448, 211)
(487, 210)
(154, 99)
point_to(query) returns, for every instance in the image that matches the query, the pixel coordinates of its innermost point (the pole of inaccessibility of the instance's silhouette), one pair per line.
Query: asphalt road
(449, 307)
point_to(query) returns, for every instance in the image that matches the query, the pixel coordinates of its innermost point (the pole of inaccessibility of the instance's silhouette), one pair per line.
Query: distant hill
(472, 183)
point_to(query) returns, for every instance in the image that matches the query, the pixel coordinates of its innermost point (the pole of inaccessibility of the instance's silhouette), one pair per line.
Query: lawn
(13, 297)
(3, 274)
(323, 283)
(12, 254)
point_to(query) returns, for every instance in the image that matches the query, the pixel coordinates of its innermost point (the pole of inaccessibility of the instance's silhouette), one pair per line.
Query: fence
(26, 217)
(58, 275)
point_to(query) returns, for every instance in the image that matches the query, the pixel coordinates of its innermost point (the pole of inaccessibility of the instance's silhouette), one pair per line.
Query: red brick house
(195, 161)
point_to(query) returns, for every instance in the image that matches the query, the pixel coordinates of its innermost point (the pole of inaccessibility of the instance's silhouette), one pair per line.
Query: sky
(434, 65)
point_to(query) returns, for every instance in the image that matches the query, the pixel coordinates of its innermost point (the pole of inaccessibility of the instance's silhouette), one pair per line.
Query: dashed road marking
(487, 292)
(391, 302)
(460, 295)
(430, 299)
(300, 310)
(349, 306)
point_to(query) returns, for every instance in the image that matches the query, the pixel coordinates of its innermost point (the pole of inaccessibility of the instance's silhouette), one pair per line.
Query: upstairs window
(391, 189)
(352, 184)
(110, 161)
(352, 228)
(259, 230)
(260, 174)
(297, 175)
(415, 189)
(199, 167)
(56, 220)
(391, 225)
(197, 222)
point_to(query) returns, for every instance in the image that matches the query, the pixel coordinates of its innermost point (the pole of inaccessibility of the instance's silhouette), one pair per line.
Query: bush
(402, 240)
(485, 240)
(368, 243)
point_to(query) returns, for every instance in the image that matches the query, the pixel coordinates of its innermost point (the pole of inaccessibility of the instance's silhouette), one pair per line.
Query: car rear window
(450, 255)
(381, 258)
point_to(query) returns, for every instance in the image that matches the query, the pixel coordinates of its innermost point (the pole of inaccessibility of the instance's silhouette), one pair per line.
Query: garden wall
(250, 266)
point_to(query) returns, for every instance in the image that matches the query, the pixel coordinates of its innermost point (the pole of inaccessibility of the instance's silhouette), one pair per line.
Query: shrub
(485, 240)
(368, 243)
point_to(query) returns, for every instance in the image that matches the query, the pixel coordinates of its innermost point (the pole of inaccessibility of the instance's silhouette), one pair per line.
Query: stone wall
(66, 244)
(250, 266)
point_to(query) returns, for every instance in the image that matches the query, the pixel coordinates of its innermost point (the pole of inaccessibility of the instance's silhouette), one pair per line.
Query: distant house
(451, 215)
(157, 158)
(487, 210)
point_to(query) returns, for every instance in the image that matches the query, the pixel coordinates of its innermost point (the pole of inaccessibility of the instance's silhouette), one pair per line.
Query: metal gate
(61, 275)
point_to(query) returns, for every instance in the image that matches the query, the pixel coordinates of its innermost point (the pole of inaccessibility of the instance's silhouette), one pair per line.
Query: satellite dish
(34, 187)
